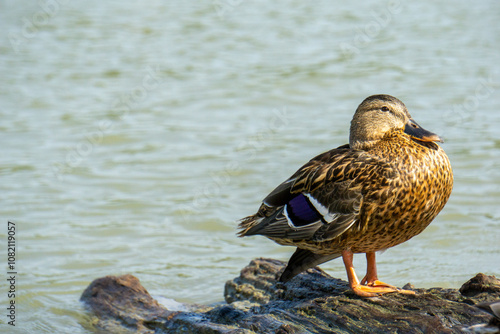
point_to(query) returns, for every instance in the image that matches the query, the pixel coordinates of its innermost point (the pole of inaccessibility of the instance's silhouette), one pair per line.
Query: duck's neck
(366, 142)
(362, 138)
(363, 144)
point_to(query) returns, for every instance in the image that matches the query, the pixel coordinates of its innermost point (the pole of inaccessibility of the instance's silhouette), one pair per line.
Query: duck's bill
(416, 131)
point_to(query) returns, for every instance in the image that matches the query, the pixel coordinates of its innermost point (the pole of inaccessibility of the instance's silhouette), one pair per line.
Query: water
(135, 134)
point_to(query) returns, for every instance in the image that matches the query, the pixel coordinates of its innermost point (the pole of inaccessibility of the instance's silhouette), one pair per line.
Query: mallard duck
(376, 192)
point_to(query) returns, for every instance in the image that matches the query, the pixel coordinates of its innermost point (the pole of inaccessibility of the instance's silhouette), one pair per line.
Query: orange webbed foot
(371, 291)
(377, 288)
(376, 282)
(369, 286)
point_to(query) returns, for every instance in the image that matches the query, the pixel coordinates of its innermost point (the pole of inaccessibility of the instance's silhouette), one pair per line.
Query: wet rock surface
(313, 302)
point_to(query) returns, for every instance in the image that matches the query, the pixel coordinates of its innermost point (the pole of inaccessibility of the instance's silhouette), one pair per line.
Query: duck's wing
(319, 202)
(283, 193)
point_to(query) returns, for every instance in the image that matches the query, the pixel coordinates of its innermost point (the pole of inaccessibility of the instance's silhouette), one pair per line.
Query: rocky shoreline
(313, 302)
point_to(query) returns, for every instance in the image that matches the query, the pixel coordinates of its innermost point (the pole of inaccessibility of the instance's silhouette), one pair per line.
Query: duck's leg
(357, 287)
(371, 278)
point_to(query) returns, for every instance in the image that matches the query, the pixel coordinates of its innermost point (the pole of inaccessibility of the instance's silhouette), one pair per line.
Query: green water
(135, 134)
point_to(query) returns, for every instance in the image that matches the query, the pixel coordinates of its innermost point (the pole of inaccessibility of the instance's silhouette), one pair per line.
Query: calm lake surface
(135, 134)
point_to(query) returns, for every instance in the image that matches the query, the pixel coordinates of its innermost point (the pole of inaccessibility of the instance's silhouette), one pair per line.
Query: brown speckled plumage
(382, 189)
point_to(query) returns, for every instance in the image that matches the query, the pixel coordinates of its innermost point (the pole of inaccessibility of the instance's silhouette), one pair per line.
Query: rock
(313, 302)
(479, 284)
(122, 303)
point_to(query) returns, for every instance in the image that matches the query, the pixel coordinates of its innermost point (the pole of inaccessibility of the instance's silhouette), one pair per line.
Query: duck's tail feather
(256, 224)
(248, 224)
(302, 260)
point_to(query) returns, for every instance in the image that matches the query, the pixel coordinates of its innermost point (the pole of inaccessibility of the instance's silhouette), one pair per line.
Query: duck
(381, 189)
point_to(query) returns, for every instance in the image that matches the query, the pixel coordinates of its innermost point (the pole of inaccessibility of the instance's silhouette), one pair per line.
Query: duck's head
(378, 115)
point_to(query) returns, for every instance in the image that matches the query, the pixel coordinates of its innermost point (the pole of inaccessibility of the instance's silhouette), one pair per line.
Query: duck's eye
(384, 109)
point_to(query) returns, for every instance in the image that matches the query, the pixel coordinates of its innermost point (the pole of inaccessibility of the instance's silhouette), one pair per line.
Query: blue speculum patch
(301, 212)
